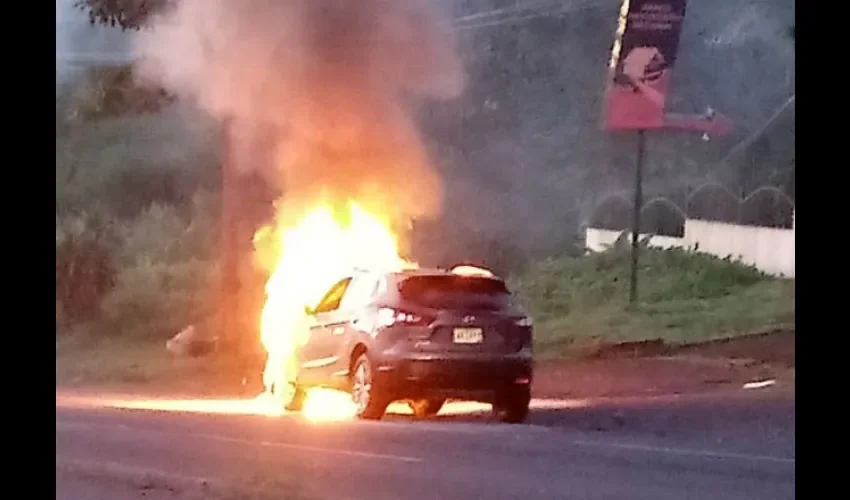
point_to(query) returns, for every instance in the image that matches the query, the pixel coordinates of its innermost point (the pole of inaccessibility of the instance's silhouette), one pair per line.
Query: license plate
(468, 335)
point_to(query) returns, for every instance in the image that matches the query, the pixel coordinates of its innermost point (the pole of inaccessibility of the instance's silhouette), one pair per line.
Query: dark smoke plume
(328, 80)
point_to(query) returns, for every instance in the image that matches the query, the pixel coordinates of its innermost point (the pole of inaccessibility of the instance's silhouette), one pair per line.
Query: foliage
(111, 91)
(161, 273)
(137, 212)
(684, 297)
(127, 163)
(126, 14)
(84, 270)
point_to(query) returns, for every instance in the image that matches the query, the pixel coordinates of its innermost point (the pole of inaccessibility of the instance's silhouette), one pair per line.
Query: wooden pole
(229, 306)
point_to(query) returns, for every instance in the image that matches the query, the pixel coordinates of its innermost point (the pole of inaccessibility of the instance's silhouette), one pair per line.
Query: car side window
(333, 298)
(361, 291)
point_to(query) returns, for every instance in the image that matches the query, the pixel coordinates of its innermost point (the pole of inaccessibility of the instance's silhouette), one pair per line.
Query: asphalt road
(655, 450)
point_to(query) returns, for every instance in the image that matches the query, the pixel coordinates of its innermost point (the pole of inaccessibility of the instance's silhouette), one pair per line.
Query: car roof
(433, 271)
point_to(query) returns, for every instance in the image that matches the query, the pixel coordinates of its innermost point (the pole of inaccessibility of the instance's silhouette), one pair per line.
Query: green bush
(127, 163)
(683, 297)
(156, 300)
(166, 274)
(85, 271)
(149, 275)
(136, 219)
(111, 91)
(167, 234)
(555, 287)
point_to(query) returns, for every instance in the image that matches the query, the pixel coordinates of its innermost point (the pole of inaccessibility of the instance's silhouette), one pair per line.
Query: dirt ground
(647, 369)
(625, 370)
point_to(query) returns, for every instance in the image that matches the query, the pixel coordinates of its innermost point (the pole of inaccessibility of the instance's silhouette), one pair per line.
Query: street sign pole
(636, 209)
(640, 71)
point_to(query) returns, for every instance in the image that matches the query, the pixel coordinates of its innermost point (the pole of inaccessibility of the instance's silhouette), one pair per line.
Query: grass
(86, 361)
(684, 298)
(579, 305)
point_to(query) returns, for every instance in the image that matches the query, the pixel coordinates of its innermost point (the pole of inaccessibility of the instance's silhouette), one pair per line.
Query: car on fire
(421, 336)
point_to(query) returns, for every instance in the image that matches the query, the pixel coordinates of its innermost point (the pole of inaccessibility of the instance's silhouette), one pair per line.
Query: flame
(328, 405)
(315, 251)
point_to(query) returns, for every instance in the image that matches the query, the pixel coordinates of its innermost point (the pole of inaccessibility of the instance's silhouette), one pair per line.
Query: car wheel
(512, 406)
(423, 408)
(369, 401)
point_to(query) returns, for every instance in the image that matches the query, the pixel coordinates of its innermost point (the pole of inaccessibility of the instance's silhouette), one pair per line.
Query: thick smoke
(328, 80)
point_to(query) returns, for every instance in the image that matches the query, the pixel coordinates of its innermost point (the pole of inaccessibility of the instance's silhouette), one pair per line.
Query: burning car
(420, 335)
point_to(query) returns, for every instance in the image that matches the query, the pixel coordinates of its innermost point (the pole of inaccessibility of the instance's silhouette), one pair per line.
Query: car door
(343, 323)
(314, 357)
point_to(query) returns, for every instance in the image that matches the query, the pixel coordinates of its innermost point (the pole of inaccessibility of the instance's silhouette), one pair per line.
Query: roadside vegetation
(138, 197)
(581, 303)
(136, 236)
(136, 262)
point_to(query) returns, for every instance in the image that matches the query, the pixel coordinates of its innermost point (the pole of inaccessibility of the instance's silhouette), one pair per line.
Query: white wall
(599, 239)
(769, 249)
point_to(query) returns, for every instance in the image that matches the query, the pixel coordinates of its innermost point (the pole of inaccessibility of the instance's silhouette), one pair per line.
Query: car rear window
(455, 291)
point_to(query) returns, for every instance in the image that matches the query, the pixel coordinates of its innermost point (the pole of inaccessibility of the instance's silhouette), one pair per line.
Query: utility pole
(230, 248)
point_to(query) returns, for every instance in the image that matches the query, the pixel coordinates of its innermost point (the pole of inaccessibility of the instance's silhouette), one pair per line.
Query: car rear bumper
(475, 377)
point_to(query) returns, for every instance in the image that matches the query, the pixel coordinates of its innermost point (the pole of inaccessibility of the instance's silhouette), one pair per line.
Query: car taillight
(388, 316)
(524, 332)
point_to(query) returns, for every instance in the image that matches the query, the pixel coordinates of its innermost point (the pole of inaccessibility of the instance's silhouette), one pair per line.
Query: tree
(110, 91)
(126, 14)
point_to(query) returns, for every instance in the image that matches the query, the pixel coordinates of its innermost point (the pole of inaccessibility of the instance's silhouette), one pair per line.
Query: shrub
(127, 163)
(559, 286)
(166, 275)
(156, 300)
(683, 297)
(84, 268)
(150, 275)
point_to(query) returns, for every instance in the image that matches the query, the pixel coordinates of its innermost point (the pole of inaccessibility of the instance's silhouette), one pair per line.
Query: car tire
(513, 406)
(369, 400)
(424, 408)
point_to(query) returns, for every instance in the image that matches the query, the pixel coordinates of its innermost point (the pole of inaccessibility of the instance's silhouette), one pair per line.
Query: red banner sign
(642, 61)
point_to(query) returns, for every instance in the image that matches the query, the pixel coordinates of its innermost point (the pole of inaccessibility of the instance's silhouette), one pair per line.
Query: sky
(80, 45)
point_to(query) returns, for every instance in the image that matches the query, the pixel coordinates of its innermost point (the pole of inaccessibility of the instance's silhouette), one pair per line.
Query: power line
(758, 132)
(484, 19)
(505, 10)
(559, 8)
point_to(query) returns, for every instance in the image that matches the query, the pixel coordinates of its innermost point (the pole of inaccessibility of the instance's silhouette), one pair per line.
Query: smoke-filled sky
(327, 80)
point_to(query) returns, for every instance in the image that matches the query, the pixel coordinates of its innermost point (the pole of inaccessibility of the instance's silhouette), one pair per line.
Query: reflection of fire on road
(328, 80)
(329, 405)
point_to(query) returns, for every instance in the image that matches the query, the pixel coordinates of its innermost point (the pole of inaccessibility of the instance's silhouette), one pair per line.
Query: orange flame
(314, 252)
